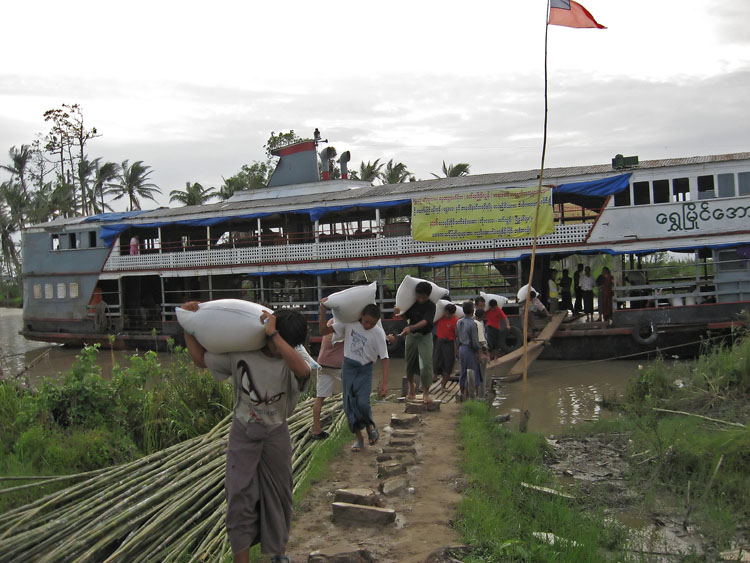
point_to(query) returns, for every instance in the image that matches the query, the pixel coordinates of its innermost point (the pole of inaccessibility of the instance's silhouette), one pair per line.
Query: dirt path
(424, 512)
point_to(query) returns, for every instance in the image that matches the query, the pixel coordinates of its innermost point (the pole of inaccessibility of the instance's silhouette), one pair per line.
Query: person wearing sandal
(364, 342)
(330, 359)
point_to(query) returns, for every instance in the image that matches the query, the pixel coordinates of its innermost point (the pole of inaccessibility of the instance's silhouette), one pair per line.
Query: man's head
(292, 326)
(450, 309)
(468, 308)
(587, 270)
(370, 316)
(493, 303)
(580, 267)
(423, 291)
(479, 302)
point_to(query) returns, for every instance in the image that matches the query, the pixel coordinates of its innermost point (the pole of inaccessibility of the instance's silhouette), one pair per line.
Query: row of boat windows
(73, 241)
(59, 290)
(678, 189)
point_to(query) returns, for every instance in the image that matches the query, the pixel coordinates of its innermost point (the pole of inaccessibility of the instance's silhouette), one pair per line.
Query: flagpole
(523, 423)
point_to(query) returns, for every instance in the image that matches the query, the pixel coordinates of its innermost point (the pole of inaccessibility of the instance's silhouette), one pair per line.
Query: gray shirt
(265, 389)
(467, 333)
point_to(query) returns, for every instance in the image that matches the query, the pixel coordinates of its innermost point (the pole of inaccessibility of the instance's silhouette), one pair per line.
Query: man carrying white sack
(267, 384)
(364, 343)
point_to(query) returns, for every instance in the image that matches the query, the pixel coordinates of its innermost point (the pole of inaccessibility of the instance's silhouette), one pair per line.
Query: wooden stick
(738, 424)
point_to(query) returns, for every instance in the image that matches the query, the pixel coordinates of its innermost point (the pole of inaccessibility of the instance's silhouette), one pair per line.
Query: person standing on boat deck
(444, 355)
(330, 359)
(552, 293)
(495, 317)
(364, 342)
(267, 384)
(468, 349)
(587, 290)
(537, 311)
(566, 301)
(135, 245)
(418, 340)
(605, 295)
(578, 307)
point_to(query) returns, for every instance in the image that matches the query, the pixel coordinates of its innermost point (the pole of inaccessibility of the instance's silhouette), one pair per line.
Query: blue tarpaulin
(597, 188)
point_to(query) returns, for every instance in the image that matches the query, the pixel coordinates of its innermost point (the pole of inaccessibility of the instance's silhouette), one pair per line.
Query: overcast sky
(194, 89)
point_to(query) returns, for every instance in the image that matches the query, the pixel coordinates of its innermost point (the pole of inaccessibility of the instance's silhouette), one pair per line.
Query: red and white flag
(571, 14)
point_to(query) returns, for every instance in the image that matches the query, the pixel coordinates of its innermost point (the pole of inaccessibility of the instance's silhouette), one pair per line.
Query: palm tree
(396, 173)
(194, 194)
(134, 184)
(454, 171)
(104, 176)
(8, 249)
(369, 172)
(19, 161)
(16, 203)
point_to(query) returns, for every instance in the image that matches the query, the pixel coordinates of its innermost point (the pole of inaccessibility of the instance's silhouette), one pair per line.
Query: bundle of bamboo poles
(163, 507)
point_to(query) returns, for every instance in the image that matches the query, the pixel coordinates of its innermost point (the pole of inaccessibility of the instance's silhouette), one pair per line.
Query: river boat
(116, 278)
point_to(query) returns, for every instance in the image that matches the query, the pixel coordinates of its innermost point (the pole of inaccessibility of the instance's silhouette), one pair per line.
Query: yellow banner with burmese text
(487, 214)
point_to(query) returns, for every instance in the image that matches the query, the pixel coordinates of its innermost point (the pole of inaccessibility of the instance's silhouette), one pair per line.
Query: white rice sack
(347, 304)
(521, 296)
(440, 310)
(406, 294)
(489, 296)
(302, 351)
(225, 325)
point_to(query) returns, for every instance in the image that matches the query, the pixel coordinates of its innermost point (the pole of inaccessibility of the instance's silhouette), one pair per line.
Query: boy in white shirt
(364, 342)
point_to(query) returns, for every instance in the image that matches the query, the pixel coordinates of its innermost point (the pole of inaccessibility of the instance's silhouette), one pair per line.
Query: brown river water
(557, 394)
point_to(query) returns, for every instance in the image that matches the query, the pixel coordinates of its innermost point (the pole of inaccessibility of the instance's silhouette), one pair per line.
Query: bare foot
(426, 398)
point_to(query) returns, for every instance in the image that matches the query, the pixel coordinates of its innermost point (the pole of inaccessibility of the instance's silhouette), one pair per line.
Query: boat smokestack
(343, 164)
(326, 155)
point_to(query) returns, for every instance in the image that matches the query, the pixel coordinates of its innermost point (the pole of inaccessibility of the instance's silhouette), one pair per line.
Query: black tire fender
(511, 339)
(645, 332)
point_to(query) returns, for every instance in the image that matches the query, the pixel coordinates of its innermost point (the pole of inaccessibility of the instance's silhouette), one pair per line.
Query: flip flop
(373, 435)
(322, 435)
(356, 446)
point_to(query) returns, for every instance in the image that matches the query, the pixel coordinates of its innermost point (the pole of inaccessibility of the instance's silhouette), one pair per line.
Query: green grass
(498, 516)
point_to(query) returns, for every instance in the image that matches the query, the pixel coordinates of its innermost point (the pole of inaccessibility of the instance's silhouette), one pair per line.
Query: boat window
(622, 198)
(61, 290)
(55, 242)
(37, 291)
(726, 185)
(641, 193)
(73, 290)
(729, 261)
(743, 182)
(72, 240)
(661, 191)
(49, 291)
(680, 189)
(92, 239)
(706, 187)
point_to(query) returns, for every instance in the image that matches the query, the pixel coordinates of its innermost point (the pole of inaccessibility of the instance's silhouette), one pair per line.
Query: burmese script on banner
(488, 214)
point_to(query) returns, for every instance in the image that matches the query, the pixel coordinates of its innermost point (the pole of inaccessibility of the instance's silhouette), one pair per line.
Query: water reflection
(559, 394)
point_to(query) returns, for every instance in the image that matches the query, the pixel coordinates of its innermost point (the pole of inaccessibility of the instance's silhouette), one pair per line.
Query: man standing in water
(418, 343)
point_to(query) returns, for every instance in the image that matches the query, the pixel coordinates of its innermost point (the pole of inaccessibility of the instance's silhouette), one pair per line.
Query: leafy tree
(396, 173)
(369, 172)
(8, 249)
(104, 179)
(194, 194)
(278, 140)
(19, 161)
(134, 184)
(15, 204)
(454, 171)
(248, 178)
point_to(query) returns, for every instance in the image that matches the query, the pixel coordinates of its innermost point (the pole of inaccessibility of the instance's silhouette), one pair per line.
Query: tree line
(54, 177)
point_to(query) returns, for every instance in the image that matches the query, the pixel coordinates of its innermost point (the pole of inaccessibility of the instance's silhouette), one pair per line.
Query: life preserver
(511, 339)
(645, 332)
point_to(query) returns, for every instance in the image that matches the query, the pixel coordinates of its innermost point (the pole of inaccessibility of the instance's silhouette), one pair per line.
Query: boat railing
(378, 247)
